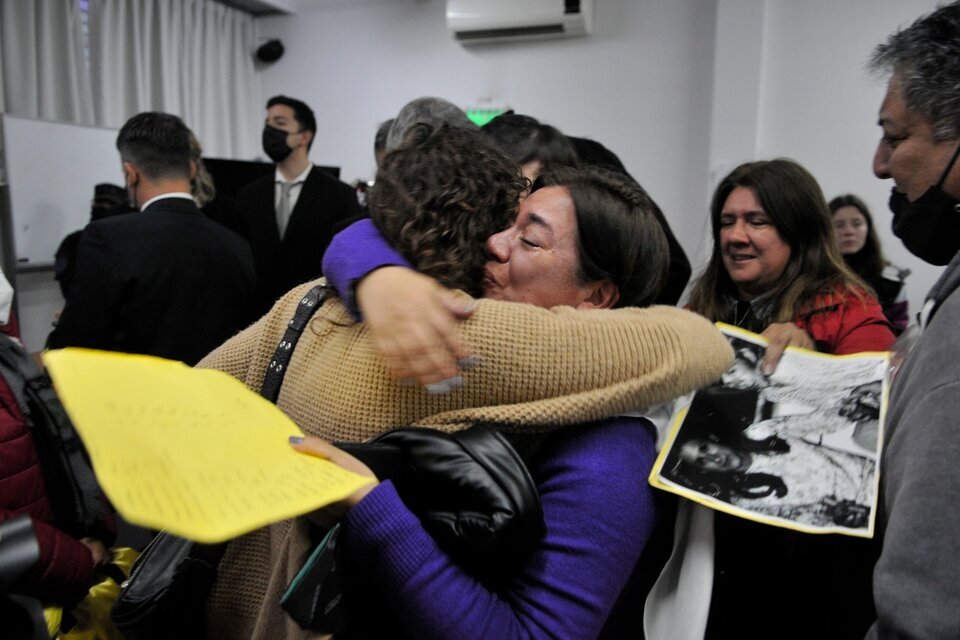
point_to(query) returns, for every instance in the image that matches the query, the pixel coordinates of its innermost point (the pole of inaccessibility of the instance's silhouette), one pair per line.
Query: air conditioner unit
(479, 21)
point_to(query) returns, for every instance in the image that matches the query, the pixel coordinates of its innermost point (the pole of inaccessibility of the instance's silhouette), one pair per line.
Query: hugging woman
(558, 372)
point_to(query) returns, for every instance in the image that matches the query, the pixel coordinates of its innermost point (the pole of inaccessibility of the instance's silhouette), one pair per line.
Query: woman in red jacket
(776, 270)
(65, 570)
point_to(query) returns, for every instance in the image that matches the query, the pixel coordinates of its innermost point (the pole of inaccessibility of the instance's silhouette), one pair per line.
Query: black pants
(775, 583)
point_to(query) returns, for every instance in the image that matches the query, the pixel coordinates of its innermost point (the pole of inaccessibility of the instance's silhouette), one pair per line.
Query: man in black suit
(108, 200)
(166, 281)
(291, 214)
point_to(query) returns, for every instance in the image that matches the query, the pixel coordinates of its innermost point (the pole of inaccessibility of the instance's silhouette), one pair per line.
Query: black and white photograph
(796, 449)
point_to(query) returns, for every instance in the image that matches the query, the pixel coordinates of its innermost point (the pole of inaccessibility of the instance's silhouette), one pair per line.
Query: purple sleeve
(598, 510)
(898, 314)
(352, 254)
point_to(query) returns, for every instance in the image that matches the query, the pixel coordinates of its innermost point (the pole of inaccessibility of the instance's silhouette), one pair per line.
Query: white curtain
(192, 58)
(42, 69)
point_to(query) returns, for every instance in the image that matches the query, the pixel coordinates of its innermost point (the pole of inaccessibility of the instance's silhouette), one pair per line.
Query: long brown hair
(871, 255)
(792, 199)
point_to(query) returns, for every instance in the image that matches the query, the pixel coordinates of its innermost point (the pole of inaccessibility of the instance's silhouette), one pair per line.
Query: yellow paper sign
(192, 451)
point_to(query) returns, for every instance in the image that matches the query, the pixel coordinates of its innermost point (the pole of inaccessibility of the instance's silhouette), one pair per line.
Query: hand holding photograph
(796, 449)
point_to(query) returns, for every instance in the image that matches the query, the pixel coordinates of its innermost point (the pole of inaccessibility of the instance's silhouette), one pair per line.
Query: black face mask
(930, 225)
(275, 143)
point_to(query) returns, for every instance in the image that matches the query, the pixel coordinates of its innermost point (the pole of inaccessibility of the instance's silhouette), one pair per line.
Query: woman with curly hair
(438, 197)
(412, 203)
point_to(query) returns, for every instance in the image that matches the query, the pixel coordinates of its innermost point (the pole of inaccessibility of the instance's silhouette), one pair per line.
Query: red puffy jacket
(841, 324)
(65, 569)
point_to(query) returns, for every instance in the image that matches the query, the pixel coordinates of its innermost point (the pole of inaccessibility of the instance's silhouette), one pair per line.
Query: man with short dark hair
(916, 583)
(166, 281)
(291, 214)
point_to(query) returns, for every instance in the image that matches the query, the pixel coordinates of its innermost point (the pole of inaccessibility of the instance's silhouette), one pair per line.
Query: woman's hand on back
(413, 321)
(781, 335)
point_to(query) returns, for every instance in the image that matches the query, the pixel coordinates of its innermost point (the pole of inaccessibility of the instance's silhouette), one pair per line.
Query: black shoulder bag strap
(72, 488)
(277, 369)
(170, 583)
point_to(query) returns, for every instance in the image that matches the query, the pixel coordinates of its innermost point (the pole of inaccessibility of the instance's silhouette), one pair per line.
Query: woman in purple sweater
(587, 239)
(598, 512)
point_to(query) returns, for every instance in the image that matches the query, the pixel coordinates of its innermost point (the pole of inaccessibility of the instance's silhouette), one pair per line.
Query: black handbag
(22, 616)
(167, 590)
(72, 489)
(470, 489)
(166, 594)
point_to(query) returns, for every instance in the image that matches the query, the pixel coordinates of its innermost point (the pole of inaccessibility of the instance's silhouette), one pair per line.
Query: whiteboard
(51, 169)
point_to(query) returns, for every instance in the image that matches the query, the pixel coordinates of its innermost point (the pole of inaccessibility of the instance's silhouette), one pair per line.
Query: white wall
(640, 84)
(682, 91)
(38, 302)
(819, 103)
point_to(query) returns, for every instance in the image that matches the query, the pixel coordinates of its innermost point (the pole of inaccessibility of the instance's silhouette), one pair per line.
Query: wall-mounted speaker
(270, 51)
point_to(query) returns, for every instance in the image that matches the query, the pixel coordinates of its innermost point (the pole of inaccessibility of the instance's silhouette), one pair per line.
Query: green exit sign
(481, 117)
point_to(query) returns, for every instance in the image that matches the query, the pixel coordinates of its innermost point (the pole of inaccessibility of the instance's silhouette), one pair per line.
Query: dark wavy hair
(869, 260)
(792, 199)
(525, 139)
(618, 236)
(728, 484)
(439, 195)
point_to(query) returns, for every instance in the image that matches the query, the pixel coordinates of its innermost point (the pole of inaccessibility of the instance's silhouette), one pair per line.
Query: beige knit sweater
(539, 369)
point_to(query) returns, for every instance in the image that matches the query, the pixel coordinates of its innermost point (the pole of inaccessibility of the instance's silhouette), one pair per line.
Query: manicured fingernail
(444, 386)
(437, 388)
(296, 439)
(469, 307)
(469, 362)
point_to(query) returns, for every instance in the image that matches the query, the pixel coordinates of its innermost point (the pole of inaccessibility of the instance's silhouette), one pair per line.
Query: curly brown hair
(439, 196)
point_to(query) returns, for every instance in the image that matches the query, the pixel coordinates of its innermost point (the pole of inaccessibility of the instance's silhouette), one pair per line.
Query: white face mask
(6, 299)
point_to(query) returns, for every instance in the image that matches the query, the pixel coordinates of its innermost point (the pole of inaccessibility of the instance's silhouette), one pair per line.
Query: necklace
(738, 319)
